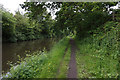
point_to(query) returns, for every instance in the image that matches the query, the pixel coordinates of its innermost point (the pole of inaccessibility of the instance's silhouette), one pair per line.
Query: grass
(40, 64)
(63, 69)
(97, 56)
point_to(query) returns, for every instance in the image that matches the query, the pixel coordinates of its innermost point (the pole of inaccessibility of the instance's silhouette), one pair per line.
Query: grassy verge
(65, 64)
(40, 65)
(97, 56)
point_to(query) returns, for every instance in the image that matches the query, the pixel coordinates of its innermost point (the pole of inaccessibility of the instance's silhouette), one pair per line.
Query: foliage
(38, 11)
(71, 17)
(81, 17)
(52, 65)
(98, 43)
(40, 64)
(19, 27)
(8, 26)
(22, 24)
(77, 18)
(99, 54)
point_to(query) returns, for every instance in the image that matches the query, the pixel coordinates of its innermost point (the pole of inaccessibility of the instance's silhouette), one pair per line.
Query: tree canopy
(72, 17)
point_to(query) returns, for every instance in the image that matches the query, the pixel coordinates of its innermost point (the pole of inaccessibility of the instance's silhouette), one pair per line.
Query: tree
(8, 26)
(82, 16)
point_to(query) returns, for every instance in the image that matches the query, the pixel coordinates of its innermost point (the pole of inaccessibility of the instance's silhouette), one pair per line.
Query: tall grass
(63, 69)
(97, 56)
(41, 64)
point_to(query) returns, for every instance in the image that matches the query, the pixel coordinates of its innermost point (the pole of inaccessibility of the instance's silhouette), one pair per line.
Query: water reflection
(11, 50)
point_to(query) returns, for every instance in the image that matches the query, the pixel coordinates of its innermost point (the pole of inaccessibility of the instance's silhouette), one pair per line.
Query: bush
(40, 64)
(98, 54)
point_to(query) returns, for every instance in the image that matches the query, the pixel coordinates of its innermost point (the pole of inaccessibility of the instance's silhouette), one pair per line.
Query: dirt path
(72, 71)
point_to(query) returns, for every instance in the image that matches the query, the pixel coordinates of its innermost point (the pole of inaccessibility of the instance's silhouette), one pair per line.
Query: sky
(12, 5)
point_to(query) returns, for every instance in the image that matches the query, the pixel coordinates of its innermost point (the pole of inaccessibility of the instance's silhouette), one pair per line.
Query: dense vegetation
(37, 23)
(96, 36)
(19, 27)
(41, 64)
(98, 55)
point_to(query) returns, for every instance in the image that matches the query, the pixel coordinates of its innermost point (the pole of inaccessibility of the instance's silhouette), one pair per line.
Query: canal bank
(12, 51)
(41, 64)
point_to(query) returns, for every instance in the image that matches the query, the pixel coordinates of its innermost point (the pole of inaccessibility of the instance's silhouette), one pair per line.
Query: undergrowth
(63, 68)
(98, 55)
(40, 64)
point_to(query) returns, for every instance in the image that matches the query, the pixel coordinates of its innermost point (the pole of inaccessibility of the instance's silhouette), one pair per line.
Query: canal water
(10, 51)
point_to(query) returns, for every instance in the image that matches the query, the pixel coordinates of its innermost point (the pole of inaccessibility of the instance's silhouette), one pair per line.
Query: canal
(10, 51)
